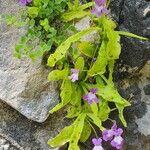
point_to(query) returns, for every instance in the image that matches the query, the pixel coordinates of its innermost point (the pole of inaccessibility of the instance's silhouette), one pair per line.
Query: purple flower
(24, 2)
(91, 96)
(97, 144)
(117, 142)
(99, 8)
(74, 75)
(114, 135)
(109, 134)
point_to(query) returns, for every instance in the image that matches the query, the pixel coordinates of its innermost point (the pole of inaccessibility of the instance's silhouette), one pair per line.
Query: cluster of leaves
(44, 25)
(91, 76)
(48, 21)
(94, 62)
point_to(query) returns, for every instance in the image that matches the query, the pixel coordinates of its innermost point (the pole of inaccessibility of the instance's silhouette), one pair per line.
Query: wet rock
(23, 84)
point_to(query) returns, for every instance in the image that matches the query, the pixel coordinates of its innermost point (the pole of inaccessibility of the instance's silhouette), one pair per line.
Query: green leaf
(87, 48)
(33, 11)
(85, 6)
(58, 75)
(104, 110)
(109, 93)
(108, 24)
(10, 20)
(62, 138)
(45, 24)
(113, 46)
(76, 4)
(99, 67)
(36, 2)
(75, 108)
(75, 53)
(131, 35)
(77, 131)
(95, 119)
(74, 14)
(121, 116)
(74, 111)
(86, 132)
(76, 96)
(78, 12)
(80, 63)
(99, 81)
(94, 108)
(62, 49)
(111, 69)
(66, 92)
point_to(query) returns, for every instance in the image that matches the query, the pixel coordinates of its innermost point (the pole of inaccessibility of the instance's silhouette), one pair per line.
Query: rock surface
(7, 143)
(133, 75)
(28, 134)
(138, 130)
(23, 85)
(133, 16)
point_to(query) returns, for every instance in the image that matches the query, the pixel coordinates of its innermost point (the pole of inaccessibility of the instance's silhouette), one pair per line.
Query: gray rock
(7, 143)
(25, 134)
(83, 24)
(137, 115)
(144, 123)
(133, 16)
(134, 69)
(24, 84)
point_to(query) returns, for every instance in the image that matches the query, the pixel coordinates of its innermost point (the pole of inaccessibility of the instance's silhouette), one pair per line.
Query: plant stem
(113, 109)
(104, 78)
(93, 129)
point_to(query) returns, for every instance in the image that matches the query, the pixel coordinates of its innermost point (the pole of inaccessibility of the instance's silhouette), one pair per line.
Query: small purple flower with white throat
(100, 8)
(118, 141)
(109, 134)
(97, 144)
(91, 96)
(74, 75)
(114, 135)
(24, 2)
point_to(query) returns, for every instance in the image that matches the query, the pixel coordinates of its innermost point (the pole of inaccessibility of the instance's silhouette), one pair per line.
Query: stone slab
(23, 84)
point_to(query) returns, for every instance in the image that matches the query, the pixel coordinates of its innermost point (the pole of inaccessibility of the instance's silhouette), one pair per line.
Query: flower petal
(96, 100)
(29, 1)
(23, 2)
(90, 101)
(114, 127)
(85, 97)
(93, 90)
(108, 135)
(97, 141)
(98, 148)
(100, 2)
(118, 132)
(117, 142)
(105, 11)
